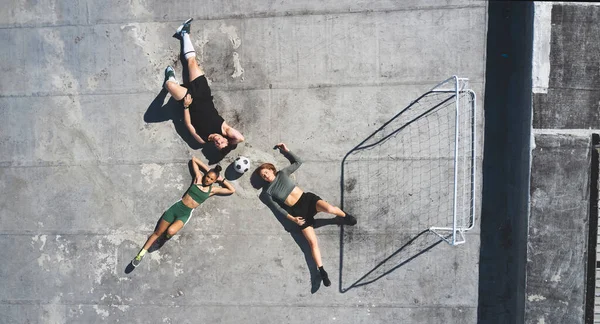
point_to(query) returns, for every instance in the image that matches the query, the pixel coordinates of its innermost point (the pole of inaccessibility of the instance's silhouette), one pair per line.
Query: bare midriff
(293, 197)
(189, 202)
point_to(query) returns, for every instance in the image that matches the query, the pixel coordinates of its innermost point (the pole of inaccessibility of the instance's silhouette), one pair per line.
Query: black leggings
(306, 207)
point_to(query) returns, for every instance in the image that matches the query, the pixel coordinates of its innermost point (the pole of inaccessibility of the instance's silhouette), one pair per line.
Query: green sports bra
(198, 195)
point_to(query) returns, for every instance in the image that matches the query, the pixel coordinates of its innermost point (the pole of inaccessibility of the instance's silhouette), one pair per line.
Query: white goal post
(465, 143)
(417, 171)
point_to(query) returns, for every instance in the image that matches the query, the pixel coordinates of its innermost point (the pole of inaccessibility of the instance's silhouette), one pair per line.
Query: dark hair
(224, 151)
(217, 169)
(268, 166)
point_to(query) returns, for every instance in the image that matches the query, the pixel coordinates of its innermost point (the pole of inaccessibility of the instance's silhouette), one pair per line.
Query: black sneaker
(325, 277)
(350, 220)
(347, 220)
(184, 28)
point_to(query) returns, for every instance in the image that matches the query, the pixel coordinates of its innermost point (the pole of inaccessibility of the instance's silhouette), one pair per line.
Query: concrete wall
(558, 229)
(565, 115)
(90, 158)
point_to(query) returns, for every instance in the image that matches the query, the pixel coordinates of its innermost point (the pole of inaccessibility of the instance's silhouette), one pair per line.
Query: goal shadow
(398, 182)
(410, 250)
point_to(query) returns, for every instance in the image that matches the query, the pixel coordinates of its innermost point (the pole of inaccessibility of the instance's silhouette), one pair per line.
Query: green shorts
(178, 211)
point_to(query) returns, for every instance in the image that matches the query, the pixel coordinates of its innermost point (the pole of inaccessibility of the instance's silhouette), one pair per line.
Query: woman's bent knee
(172, 231)
(191, 61)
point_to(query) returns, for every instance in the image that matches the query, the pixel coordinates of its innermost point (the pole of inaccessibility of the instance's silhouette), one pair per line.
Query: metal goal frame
(455, 234)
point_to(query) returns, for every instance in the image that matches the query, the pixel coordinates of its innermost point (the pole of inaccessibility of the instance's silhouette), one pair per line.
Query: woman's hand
(187, 101)
(220, 179)
(299, 220)
(282, 147)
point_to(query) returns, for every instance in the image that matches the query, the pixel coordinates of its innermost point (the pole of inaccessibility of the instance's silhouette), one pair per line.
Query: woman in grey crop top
(281, 192)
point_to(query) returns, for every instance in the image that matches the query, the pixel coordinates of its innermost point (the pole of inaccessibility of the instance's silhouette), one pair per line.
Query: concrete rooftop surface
(93, 151)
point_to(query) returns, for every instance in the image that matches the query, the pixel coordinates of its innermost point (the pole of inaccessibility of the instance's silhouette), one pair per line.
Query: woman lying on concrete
(200, 116)
(179, 214)
(302, 205)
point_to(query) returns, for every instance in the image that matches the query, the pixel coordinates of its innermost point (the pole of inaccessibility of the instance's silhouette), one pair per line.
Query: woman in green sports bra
(179, 214)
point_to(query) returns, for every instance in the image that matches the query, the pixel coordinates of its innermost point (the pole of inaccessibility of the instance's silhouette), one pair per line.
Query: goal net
(417, 171)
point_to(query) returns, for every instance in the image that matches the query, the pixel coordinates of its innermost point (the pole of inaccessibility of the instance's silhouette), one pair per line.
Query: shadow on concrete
(506, 163)
(592, 261)
(231, 174)
(256, 181)
(172, 110)
(161, 241)
(212, 154)
(320, 222)
(414, 247)
(129, 268)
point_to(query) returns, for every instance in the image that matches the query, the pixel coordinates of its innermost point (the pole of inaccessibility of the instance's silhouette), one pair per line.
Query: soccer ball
(241, 164)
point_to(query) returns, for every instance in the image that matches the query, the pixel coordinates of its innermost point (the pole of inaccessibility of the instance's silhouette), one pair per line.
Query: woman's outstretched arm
(294, 159)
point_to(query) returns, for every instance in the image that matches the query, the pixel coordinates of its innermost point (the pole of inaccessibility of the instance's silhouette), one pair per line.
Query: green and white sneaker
(169, 76)
(136, 261)
(184, 28)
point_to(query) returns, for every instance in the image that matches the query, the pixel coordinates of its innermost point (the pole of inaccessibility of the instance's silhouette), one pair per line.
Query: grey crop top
(277, 191)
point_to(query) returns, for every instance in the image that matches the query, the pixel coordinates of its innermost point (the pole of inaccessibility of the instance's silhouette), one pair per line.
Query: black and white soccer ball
(241, 164)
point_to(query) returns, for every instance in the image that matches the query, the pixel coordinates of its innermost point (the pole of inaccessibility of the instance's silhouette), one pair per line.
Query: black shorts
(199, 89)
(306, 207)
